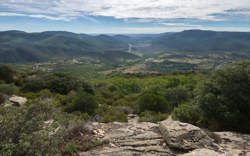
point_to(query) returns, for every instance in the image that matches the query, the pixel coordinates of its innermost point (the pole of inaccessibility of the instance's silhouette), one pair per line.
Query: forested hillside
(54, 119)
(17, 46)
(199, 41)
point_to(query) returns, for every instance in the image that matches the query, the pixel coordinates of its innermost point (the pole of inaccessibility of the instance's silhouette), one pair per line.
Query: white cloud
(124, 9)
(181, 24)
(156, 30)
(35, 16)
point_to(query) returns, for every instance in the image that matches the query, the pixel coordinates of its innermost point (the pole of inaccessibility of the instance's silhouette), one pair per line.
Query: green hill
(203, 41)
(18, 46)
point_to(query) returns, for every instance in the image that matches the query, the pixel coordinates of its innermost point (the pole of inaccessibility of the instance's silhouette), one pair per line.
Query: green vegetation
(9, 89)
(23, 131)
(157, 103)
(7, 73)
(114, 114)
(203, 41)
(83, 102)
(217, 101)
(17, 46)
(150, 116)
(93, 144)
(189, 113)
(2, 99)
(224, 98)
(70, 149)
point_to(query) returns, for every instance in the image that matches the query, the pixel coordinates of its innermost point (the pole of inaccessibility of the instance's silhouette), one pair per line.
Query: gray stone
(184, 136)
(165, 139)
(130, 139)
(17, 100)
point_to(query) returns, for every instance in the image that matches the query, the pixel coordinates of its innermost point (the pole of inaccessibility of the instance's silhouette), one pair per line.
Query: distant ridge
(19, 46)
(204, 41)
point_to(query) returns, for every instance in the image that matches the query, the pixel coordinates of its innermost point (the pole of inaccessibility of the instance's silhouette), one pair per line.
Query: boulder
(17, 100)
(184, 136)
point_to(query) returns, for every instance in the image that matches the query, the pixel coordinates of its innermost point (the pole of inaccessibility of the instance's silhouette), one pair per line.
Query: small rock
(17, 100)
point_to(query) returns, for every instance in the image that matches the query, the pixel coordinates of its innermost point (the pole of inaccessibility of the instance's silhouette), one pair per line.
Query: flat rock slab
(130, 139)
(164, 139)
(235, 143)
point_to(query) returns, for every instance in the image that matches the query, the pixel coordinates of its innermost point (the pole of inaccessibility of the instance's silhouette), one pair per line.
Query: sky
(124, 16)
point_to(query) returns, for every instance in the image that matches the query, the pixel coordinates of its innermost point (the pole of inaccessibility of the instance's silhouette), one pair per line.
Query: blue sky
(124, 16)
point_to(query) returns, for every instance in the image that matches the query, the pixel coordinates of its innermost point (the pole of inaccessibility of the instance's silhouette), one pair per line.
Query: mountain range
(19, 46)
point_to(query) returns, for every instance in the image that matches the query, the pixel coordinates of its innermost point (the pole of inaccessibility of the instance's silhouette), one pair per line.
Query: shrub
(2, 99)
(93, 144)
(7, 73)
(114, 114)
(23, 132)
(173, 82)
(150, 116)
(130, 101)
(224, 98)
(83, 102)
(34, 85)
(58, 83)
(9, 89)
(188, 113)
(177, 95)
(70, 149)
(157, 103)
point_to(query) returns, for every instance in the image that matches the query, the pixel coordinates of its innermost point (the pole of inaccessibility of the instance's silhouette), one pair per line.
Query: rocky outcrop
(128, 139)
(234, 143)
(17, 100)
(164, 139)
(184, 137)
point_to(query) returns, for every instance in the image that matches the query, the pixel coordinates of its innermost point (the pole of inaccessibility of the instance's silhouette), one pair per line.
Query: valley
(77, 94)
(102, 55)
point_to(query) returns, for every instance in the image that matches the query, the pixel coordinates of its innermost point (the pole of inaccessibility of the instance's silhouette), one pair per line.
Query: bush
(114, 114)
(34, 85)
(150, 116)
(9, 89)
(58, 83)
(177, 95)
(23, 131)
(188, 113)
(93, 144)
(2, 99)
(130, 101)
(224, 98)
(83, 102)
(7, 73)
(70, 149)
(157, 103)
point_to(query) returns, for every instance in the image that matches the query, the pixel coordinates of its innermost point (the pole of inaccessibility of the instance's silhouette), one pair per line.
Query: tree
(83, 102)
(157, 103)
(61, 83)
(188, 112)
(2, 99)
(224, 98)
(177, 95)
(7, 73)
